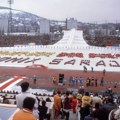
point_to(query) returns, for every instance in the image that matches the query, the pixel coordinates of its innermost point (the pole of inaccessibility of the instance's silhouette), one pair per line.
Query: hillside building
(71, 24)
(3, 25)
(44, 26)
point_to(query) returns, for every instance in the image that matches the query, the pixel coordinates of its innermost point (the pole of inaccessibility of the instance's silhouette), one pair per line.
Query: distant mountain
(14, 11)
(25, 20)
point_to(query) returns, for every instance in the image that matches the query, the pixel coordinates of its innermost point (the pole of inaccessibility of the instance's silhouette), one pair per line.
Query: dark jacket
(42, 112)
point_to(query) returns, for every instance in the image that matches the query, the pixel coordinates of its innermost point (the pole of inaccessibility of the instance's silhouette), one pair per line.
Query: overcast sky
(82, 10)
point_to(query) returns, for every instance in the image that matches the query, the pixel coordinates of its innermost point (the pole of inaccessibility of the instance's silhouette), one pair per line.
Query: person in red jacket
(74, 104)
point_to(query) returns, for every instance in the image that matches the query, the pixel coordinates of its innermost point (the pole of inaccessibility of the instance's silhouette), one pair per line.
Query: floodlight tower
(10, 2)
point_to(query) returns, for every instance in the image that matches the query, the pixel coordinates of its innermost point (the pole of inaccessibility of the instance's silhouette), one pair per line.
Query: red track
(45, 81)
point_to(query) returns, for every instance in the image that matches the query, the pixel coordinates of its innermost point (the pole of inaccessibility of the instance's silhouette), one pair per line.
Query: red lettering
(71, 54)
(117, 55)
(91, 55)
(109, 55)
(80, 55)
(61, 54)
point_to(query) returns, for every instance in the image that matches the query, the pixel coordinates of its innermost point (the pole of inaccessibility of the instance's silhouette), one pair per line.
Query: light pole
(10, 2)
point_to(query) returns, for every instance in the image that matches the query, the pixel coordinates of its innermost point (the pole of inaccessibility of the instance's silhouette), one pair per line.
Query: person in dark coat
(84, 111)
(43, 111)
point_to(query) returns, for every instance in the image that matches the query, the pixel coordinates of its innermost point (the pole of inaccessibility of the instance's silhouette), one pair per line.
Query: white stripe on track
(3, 83)
(12, 84)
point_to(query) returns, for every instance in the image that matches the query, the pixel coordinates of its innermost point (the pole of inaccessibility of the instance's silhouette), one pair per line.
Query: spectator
(43, 111)
(86, 98)
(79, 96)
(48, 99)
(74, 103)
(117, 114)
(96, 99)
(67, 105)
(114, 114)
(25, 93)
(109, 90)
(115, 85)
(6, 100)
(27, 112)
(57, 104)
(109, 106)
(81, 90)
(95, 110)
(101, 114)
(85, 111)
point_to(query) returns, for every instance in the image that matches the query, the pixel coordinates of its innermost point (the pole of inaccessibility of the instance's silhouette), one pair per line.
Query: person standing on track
(34, 79)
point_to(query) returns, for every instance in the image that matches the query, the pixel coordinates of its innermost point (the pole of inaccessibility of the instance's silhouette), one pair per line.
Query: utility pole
(10, 2)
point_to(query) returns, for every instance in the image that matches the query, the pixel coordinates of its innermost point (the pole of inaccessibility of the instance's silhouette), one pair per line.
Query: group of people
(76, 81)
(94, 81)
(104, 41)
(29, 105)
(10, 41)
(89, 106)
(63, 104)
(92, 70)
(90, 81)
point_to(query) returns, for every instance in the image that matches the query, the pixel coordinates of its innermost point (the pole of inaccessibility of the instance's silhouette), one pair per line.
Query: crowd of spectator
(104, 41)
(88, 105)
(11, 40)
(28, 103)
(12, 93)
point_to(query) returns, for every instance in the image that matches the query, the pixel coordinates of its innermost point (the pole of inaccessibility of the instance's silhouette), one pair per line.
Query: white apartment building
(4, 24)
(44, 26)
(71, 24)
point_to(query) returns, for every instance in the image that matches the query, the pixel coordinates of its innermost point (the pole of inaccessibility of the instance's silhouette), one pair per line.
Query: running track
(44, 77)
